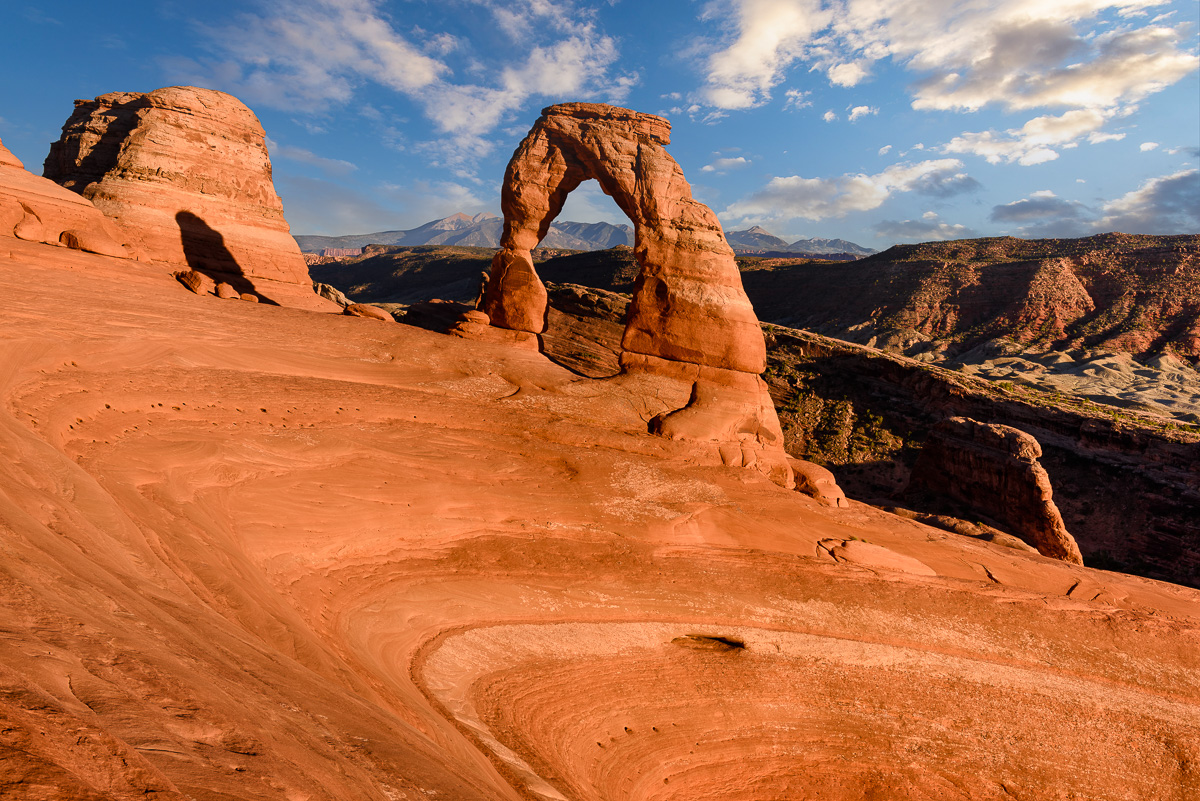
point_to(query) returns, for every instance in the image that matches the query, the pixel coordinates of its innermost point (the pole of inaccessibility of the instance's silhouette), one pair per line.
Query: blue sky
(877, 121)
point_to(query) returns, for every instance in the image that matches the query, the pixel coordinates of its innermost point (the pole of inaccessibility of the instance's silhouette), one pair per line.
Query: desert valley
(509, 518)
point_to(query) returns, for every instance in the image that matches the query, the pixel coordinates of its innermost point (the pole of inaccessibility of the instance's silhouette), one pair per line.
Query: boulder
(227, 292)
(199, 283)
(184, 172)
(37, 210)
(689, 319)
(817, 482)
(994, 470)
(332, 293)
(369, 311)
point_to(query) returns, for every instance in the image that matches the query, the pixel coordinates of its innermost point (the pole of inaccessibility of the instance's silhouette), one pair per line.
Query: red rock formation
(689, 320)
(994, 469)
(185, 174)
(38, 210)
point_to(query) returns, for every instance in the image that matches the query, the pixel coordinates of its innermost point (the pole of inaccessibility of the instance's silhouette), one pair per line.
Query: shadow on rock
(205, 251)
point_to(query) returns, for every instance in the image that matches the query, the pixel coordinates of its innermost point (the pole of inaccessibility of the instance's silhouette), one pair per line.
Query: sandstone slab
(280, 555)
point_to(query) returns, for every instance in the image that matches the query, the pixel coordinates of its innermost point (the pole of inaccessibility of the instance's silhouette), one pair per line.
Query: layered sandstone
(38, 210)
(185, 174)
(994, 470)
(689, 321)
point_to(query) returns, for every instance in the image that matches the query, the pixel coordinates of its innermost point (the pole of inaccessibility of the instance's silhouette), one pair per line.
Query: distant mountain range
(483, 230)
(758, 240)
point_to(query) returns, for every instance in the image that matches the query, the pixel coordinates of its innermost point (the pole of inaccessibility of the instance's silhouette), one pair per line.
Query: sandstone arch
(690, 318)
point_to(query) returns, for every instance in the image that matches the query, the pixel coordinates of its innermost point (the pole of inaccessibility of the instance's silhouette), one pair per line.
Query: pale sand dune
(259, 553)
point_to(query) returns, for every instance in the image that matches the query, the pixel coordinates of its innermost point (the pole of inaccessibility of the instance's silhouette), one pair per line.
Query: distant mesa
(184, 173)
(38, 210)
(690, 320)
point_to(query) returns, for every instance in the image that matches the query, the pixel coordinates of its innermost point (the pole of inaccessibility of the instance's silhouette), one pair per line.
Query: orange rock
(817, 482)
(249, 297)
(185, 174)
(78, 239)
(994, 469)
(367, 310)
(688, 307)
(199, 283)
(227, 292)
(37, 210)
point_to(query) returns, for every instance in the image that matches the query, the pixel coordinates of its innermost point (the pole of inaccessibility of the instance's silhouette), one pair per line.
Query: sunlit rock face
(690, 320)
(185, 174)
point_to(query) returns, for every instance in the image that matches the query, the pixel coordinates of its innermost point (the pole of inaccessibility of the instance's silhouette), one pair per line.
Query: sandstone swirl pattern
(185, 174)
(257, 553)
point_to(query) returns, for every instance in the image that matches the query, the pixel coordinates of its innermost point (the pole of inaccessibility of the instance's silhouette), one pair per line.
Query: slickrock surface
(185, 174)
(689, 320)
(260, 553)
(38, 210)
(994, 469)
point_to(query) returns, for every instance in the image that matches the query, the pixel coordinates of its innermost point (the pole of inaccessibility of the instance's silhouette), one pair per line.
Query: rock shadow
(74, 168)
(205, 251)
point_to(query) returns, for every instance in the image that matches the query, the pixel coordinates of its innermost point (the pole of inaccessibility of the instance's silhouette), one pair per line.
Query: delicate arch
(690, 319)
(688, 302)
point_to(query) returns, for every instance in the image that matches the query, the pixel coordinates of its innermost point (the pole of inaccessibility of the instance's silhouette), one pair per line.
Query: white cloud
(794, 197)
(1169, 204)
(795, 99)
(829, 116)
(721, 166)
(929, 228)
(1145, 147)
(328, 166)
(847, 74)
(1035, 141)
(313, 54)
(771, 35)
(859, 112)
(310, 53)
(1018, 54)
(883, 151)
